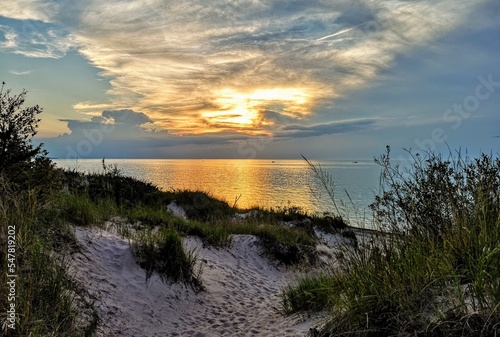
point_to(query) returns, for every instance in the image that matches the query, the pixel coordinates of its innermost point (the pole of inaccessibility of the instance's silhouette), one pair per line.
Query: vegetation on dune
(436, 274)
(289, 246)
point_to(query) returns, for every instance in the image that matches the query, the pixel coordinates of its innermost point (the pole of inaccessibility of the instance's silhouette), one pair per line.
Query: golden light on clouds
(242, 110)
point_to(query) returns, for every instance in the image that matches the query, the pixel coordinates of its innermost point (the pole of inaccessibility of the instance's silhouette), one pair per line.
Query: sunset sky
(256, 79)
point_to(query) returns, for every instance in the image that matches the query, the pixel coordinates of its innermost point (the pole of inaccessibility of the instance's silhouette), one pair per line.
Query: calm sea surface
(266, 183)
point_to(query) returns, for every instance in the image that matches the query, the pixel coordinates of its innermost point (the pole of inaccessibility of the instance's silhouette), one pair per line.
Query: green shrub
(148, 216)
(29, 186)
(278, 215)
(124, 191)
(434, 195)
(310, 294)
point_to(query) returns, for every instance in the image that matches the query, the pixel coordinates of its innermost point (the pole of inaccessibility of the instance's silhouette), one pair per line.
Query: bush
(436, 271)
(211, 233)
(288, 246)
(149, 216)
(330, 224)
(17, 128)
(80, 210)
(434, 195)
(201, 206)
(311, 294)
(124, 191)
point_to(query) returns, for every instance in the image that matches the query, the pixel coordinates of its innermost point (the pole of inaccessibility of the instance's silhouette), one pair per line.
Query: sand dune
(242, 289)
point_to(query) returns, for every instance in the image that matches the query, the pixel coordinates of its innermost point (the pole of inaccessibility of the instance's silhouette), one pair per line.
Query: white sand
(242, 290)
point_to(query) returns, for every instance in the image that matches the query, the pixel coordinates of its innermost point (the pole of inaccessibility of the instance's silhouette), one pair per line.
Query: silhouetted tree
(17, 128)
(21, 162)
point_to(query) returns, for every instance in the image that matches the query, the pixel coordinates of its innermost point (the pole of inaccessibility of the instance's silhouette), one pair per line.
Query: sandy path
(242, 292)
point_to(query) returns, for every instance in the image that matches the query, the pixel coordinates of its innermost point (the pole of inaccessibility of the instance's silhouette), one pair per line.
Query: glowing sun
(245, 109)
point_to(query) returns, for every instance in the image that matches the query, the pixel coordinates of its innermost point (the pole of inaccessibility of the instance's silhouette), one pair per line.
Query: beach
(241, 295)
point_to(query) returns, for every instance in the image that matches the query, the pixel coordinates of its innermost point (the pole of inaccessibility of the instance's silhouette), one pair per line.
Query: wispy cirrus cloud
(7, 37)
(34, 38)
(20, 73)
(30, 10)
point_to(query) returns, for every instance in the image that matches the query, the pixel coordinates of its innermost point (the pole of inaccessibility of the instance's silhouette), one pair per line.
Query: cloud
(127, 117)
(240, 67)
(125, 124)
(19, 73)
(29, 10)
(34, 38)
(123, 133)
(304, 131)
(7, 37)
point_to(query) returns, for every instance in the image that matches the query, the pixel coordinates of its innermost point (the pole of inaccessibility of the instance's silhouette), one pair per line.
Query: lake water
(266, 183)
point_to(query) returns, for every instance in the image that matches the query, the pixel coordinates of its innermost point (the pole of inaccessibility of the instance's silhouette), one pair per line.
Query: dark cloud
(128, 117)
(125, 138)
(303, 131)
(115, 118)
(118, 133)
(77, 125)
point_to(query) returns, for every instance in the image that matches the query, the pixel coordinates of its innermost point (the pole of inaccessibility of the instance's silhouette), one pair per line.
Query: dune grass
(287, 245)
(48, 297)
(44, 293)
(437, 274)
(163, 252)
(80, 210)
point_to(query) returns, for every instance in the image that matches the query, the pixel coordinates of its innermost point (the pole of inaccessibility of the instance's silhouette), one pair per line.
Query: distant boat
(355, 162)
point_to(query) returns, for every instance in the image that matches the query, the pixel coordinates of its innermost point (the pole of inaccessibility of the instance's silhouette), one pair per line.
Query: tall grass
(438, 271)
(80, 210)
(44, 299)
(163, 252)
